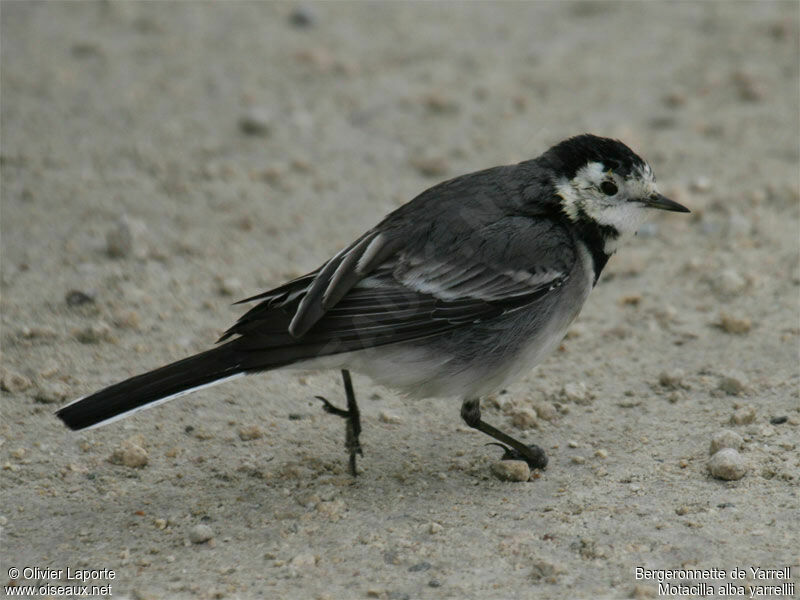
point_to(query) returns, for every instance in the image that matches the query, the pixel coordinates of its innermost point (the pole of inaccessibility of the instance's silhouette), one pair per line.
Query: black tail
(154, 387)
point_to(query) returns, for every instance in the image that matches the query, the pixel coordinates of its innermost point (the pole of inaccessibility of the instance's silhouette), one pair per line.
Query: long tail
(152, 388)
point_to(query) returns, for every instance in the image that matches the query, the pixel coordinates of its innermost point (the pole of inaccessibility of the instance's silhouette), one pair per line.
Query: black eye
(609, 188)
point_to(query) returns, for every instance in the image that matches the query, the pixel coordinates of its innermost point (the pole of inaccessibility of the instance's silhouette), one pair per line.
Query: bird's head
(601, 181)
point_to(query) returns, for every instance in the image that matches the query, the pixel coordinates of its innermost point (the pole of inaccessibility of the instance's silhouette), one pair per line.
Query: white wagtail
(455, 293)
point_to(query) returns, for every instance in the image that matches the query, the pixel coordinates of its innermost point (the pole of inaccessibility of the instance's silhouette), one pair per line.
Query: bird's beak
(664, 203)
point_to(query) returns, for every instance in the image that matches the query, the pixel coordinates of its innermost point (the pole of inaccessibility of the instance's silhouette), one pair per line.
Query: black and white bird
(456, 293)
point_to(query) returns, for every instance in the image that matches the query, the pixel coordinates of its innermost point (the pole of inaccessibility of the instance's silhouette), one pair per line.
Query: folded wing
(383, 290)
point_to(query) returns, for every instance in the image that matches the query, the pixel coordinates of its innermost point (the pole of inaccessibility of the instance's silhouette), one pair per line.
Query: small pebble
(524, 418)
(731, 324)
(511, 470)
(35, 332)
(52, 392)
(229, 286)
(733, 384)
(125, 319)
(256, 122)
(578, 460)
(573, 444)
(676, 396)
(435, 527)
(545, 410)
(728, 282)
(390, 418)
(744, 416)
(252, 432)
(302, 561)
(577, 393)
(672, 380)
(778, 420)
(160, 523)
(200, 533)
(727, 464)
(332, 509)
(725, 439)
(601, 453)
(13, 382)
(94, 333)
(546, 571)
(129, 454)
(127, 238)
(78, 298)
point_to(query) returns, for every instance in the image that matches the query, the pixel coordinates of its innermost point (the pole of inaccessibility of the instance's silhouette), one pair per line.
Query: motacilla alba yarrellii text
(455, 293)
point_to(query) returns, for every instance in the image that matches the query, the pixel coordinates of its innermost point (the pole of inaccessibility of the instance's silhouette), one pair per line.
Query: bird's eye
(609, 188)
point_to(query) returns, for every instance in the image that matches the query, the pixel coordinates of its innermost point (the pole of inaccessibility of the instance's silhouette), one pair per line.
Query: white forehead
(641, 179)
(593, 173)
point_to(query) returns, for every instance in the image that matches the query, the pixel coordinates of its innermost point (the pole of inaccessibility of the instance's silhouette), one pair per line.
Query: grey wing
(380, 291)
(336, 277)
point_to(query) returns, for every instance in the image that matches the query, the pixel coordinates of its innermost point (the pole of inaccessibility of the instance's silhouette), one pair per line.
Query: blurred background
(160, 160)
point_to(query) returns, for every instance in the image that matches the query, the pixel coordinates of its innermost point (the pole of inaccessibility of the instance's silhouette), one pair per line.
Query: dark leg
(353, 417)
(533, 455)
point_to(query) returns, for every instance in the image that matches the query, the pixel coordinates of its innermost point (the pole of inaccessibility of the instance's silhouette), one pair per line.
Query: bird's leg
(533, 454)
(353, 418)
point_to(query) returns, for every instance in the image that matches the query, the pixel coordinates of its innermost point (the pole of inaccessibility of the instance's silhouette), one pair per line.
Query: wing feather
(381, 289)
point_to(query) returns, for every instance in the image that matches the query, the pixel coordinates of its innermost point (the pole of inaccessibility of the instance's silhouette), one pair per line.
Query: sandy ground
(123, 132)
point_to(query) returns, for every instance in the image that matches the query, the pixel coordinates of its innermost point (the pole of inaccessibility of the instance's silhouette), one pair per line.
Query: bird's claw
(536, 460)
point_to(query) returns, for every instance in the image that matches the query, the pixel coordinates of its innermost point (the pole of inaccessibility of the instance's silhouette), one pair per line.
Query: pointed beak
(664, 203)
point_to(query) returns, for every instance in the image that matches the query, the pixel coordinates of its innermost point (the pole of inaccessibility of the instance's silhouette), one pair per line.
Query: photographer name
(71, 574)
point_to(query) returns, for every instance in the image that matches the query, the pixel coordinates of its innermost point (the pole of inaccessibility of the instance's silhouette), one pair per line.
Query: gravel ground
(161, 160)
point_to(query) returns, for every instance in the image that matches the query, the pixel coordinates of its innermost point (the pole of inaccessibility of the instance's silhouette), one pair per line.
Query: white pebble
(734, 383)
(511, 470)
(545, 410)
(728, 282)
(51, 392)
(734, 324)
(251, 432)
(524, 418)
(200, 533)
(14, 382)
(725, 439)
(302, 561)
(727, 464)
(129, 454)
(393, 419)
(435, 527)
(744, 415)
(229, 286)
(672, 380)
(577, 393)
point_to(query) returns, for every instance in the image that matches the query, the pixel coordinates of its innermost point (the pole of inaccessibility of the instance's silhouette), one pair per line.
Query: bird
(456, 293)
